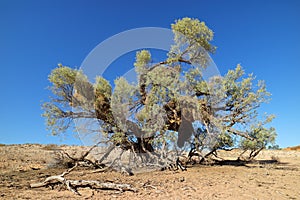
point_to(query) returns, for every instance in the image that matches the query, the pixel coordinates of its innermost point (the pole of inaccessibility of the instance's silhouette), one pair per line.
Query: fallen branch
(105, 169)
(83, 160)
(72, 185)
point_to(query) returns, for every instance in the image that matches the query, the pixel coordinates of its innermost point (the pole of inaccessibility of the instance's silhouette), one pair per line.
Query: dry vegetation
(274, 175)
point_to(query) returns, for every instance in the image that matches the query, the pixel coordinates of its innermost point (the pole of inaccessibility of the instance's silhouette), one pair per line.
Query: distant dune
(295, 148)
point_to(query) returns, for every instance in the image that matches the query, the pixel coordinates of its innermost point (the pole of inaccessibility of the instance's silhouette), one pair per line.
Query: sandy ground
(21, 165)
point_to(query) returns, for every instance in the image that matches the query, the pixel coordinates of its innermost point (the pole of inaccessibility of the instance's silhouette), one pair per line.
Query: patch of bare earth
(21, 165)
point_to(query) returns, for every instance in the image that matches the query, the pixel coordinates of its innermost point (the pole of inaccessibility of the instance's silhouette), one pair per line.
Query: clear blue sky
(264, 36)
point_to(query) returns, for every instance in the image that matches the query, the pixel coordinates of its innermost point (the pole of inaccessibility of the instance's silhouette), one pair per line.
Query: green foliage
(63, 79)
(193, 32)
(224, 140)
(62, 76)
(55, 118)
(143, 58)
(102, 87)
(192, 42)
(261, 138)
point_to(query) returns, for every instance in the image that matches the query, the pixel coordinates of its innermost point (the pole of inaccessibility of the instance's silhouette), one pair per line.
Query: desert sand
(274, 175)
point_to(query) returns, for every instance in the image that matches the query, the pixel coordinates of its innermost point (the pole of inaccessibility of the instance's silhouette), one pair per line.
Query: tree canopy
(171, 107)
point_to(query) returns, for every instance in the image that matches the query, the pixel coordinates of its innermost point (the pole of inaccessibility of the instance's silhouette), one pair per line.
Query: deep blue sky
(36, 35)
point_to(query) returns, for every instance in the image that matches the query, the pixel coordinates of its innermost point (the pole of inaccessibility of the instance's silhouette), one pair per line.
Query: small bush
(60, 160)
(50, 147)
(274, 147)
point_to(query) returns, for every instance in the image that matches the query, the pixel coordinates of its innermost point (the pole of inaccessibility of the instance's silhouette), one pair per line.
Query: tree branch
(240, 133)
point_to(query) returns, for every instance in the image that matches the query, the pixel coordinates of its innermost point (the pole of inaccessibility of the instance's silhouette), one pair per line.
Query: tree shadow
(247, 163)
(271, 164)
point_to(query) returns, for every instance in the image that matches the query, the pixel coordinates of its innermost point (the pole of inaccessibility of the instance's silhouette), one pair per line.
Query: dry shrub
(275, 158)
(60, 160)
(50, 147)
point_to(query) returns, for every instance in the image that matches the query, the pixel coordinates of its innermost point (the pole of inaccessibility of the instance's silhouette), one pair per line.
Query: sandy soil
(21, 165)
